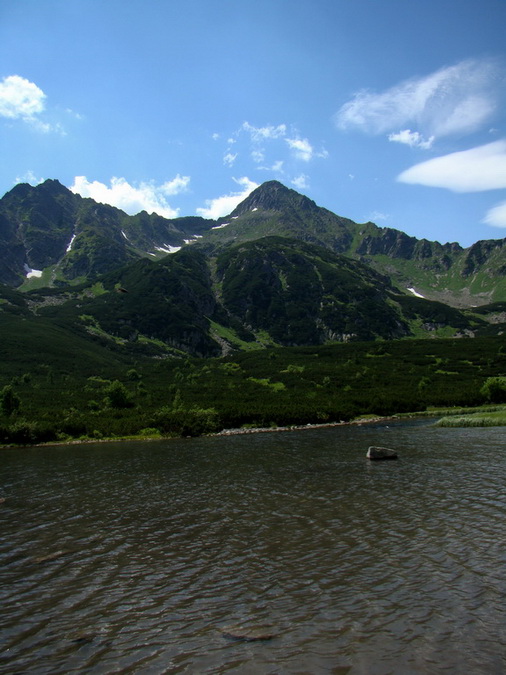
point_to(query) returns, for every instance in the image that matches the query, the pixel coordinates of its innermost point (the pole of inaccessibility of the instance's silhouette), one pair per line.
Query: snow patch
(235, 217)
(32, 273)
(167, 248)
(255, 209)
(124, 235)
(418, 295)
(219, 227)
(69, 247)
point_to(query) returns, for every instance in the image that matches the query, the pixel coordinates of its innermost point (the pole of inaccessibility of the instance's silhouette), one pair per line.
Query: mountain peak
(50, 187)
(273, 196)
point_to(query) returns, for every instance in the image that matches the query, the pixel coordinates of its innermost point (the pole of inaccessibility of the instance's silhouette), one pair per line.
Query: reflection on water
(152, 557)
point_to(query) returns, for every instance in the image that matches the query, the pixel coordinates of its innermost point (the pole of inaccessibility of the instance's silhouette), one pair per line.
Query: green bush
(192, 422)
(494, 389)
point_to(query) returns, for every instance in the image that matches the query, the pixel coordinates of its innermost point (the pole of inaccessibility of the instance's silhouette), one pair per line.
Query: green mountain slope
(269, 292)
(443, 272)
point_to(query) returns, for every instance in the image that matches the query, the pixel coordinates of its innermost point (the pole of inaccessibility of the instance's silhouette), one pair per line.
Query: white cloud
(146, 197)
(173, 187)
(257, 156)
(222, 206)
(303, 149)
(259, 134)
(496, 216)
(475, 170)
(378, 215)
(24, 100)
(411, 138)
(301, 181)
(20, 98)
(454, 99)
(277, 167)
(29, 177)
(229, 158)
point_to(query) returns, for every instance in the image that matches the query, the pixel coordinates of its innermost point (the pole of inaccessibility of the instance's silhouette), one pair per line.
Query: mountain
(49, 231)
(50, 236)
(444, 272)
(272, 291)
(279, 271)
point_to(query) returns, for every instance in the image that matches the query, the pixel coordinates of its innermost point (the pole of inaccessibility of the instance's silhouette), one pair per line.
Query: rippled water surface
(159, 557)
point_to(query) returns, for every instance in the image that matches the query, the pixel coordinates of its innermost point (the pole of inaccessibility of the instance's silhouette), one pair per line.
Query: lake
(280, 553)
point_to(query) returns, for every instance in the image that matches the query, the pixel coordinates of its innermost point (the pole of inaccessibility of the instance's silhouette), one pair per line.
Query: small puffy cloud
(475, 170)
(412, 138)
(222, 206)
(24, 100)
(496, 216)
(257, 156)
(173, 187)
(303, 149)
(301, 181)
(455, 99)
(229, 158)
(131, 199)
(20, 98)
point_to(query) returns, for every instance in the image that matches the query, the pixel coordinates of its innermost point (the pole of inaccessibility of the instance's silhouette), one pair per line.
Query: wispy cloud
(496, 216)
(24, 100)
(133, 199)
(29, 177)
(474, 170)
(229, 158)
(455, 99)
(378, 215)
(259, 134)
(222, 206)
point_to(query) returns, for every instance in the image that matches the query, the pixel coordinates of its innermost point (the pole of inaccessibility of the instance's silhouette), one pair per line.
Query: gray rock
(375, 453)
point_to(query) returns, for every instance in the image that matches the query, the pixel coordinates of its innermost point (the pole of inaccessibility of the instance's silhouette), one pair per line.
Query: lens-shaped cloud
(475, 170)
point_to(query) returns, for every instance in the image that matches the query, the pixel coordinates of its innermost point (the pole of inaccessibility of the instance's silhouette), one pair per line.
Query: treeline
(274, 387)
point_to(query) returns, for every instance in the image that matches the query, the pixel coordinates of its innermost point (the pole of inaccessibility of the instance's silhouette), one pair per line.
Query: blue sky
(386, 110)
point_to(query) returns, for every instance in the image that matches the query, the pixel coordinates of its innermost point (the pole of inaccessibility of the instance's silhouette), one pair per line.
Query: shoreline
(301, 427)
(224, 432)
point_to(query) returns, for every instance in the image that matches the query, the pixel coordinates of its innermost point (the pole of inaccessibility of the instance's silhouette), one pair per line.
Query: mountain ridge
(66, 239)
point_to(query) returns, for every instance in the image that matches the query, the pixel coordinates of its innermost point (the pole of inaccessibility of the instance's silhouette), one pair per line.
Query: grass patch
(481, 419)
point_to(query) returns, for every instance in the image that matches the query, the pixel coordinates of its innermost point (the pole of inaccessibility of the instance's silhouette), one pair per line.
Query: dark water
(146, 557)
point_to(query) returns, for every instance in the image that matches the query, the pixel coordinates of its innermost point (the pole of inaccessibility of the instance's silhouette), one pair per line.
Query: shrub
(494, 389)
